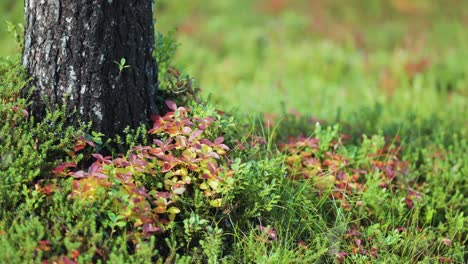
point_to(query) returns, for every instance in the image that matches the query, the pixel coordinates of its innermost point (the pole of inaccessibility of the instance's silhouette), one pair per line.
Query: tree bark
(70, 50)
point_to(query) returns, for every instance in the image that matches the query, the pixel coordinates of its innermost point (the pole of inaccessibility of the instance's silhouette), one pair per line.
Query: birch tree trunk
(71, 48)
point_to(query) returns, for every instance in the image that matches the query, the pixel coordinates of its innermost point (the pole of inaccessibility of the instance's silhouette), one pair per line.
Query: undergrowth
(205, 186)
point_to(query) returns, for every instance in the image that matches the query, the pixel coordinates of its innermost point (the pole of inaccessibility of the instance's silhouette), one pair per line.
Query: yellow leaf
(172, 217)
(138, 222)
(216, 203)
(204, 186)
(187, 179)
(173, 210)
(213, 184)
(324, 182)
(160, 202)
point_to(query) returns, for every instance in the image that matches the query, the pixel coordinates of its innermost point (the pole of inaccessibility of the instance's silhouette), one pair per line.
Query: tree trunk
(71, 48)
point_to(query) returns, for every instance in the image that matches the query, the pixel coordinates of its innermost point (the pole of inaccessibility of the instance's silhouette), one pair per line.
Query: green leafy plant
(122, 65)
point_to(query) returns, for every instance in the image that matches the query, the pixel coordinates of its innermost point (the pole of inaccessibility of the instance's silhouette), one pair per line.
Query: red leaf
(140, 163)
(400, 229)
(76, 185)
(358, 242)
(156, 151)
(100, 175)
(89, 142)
(44, 245)
(178, 188)
(133, 158)
(94, 168)
(165, 195)
(158, 142)
(80, 174)
(445, 260)
(48, 189)
(269, 231)
(219, 140)
(195, 134)
(447, 242)
(193, 167)
(409, 202)
(156, 118)
(186, 130)
(182, 141)
(66, 260)
(141, 191)
(342, 255)
(171, 105)
(102, 159)
(223, 146)
(149, 228)
(302, 244)
(206, 142)
(167, 167)
(212, 167)
(126, 177)
(213, 155)
(62, 166)
(340, 175)
(25, 113)
(383, 185)
(351, 233)
(79, 145)
(75, 254)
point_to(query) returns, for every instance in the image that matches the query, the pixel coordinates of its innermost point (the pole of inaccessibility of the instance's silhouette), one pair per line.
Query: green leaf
(173, 210)
(121, 224)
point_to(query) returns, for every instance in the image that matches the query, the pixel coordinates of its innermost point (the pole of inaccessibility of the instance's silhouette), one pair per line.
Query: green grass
(390, 74)
(249, 58)
(12, 11)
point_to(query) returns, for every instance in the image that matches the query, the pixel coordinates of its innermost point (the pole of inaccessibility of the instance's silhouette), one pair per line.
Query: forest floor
(347, 134)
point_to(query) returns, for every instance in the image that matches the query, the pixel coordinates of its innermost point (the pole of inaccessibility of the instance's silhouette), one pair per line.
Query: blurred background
(328, 59)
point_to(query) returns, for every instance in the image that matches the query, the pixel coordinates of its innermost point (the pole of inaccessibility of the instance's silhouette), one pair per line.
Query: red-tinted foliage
(181, 159)
(333, 170)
